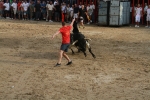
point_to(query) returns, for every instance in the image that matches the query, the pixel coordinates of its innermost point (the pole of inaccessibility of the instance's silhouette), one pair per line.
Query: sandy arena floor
(121, 70)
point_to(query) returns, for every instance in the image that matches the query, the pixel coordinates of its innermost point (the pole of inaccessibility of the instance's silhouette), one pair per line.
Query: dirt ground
(121, 70)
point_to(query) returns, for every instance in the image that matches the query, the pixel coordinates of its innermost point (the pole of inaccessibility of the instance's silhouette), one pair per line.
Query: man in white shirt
(7, 8)
(71, 12)
(50, 8)
(145, 12)
(25, 6)
(138, 14)
(93, 10)
(89, 12)
(148, 16)
(14, 7)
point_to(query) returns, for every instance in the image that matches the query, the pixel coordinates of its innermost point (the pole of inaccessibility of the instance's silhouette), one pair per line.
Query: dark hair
(63, 23)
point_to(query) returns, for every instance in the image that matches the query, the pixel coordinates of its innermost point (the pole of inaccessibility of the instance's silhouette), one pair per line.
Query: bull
(78, 40)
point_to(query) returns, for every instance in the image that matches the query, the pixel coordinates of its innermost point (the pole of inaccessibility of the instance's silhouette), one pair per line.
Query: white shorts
(148, 18)
(75, 15)
(15, 11)
(137, 18)
(81, 19)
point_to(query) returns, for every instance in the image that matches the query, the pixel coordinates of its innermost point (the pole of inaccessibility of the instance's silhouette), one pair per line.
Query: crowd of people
(47, 10)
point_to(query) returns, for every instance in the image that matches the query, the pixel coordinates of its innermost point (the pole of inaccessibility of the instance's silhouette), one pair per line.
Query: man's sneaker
(138, 26)
(146, 26)
(88, 23)
(69, 63)
(135, 25)
(57, 65)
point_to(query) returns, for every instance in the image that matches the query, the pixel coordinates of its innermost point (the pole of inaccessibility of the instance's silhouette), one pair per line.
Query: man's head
(63, 23)
(138, 5)
(145, 4)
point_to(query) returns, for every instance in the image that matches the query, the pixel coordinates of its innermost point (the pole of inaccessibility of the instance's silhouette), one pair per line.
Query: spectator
(138, 14)
(43, 5)
(37, 10)
(25, 6)
(1, 8)
(89, 13)
(93, 11)
(148, 16)
(80, 5)
(50, 8)
(57, 12)
(76, 11)
(19, 12)
(7, 8)
(145, 12)
(63, 11)
(82, 12)
(68, 13)
(14, 7)
(31, 10)
(71, 12)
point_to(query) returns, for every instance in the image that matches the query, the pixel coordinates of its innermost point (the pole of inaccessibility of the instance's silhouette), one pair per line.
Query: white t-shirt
(55, 2)
(89, 9)
(7, 6)
(145, 8)
(25, 6)
(14, 5)
(71, 10)
(92, 6)
(50, 7)
(148, 12)
(80, 6)
(138, 10)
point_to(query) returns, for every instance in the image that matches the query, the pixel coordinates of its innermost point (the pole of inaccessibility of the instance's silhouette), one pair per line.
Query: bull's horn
(74, 42)
(87, 39)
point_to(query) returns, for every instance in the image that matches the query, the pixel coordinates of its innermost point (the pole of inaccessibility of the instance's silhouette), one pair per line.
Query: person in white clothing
(138, 14)
(14, 7)
(93, 10)
(25, 6)
(50, 8)
(145, 12)
(148, 16)
(89, 13)
(71, 12)
(7, 8)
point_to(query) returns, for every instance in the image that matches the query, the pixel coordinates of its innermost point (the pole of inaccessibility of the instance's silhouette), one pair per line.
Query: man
(145, 12)
(7, 8)
(138, 14)
(148, 16)
(65, 31)
(76, 11)
(25, 6)
(31, 10)
(82, 13)
(19, 9)
(89, 13)
(1, 8)
(57, 12)
(43, 5)
(93, 10)
(50, 8)
(37, 10)
(14, 7)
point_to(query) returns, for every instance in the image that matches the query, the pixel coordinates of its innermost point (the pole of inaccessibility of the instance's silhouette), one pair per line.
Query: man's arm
(55, 34)
(72, 22)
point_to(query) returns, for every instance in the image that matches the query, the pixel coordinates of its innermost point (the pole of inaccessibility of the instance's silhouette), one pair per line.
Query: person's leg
(60, 56)
(66, 56)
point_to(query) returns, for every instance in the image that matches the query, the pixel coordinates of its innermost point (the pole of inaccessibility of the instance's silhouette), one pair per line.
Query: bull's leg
(72, 50)
(89, 47)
